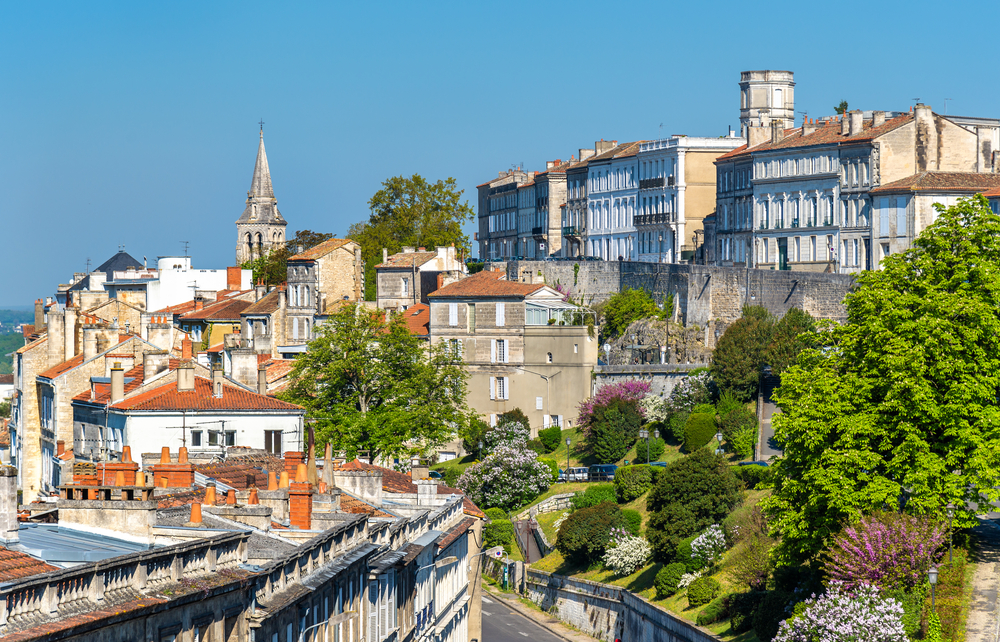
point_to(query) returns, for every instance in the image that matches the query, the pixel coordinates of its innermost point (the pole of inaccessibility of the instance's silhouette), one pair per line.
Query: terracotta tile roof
(456, 531)
(321, 250)
(397, 482)
(7, 379)
(993, 193)
(181, 498)
(32, 345)
(167, 397)
(487, 283)
(963, 182)
(356, 506)
(14, 565)
(826, 133)
(618, 151)
(418, 319)
(4, 433)
(228, 310)
(736, 152)
(218, 347)
(238, 474)
(407, 259)
(63, 367)
(267, 304)
(278, 368)
(271, 463)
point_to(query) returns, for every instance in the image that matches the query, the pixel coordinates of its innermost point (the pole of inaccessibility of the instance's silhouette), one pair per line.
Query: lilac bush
(508, 478)
(888, 550)
(633, 390)
(690, 392)
(709, 546)
(627, 553)
(842, 614)
(507, 433)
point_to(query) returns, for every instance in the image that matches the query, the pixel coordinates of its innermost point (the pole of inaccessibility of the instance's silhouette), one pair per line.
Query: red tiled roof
(4, 432)
(32, 345)
(167, 397)
(240, 475)
(962, 182)
(228, 310)
(14, 565)
(278, 368)
(407, 259)
(319, 251)
(397, 482)
(487, 283)
(7, 379)
(63, 367)
(350, 504)
(181, 498)
(266, 305)
(456, 531)
(993, 193)
(218, 347)
(418, 319)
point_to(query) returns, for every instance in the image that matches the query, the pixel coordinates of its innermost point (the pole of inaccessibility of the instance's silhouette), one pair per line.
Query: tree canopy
(368, 384)
(411, 212)
(897, 408)
(273, 266)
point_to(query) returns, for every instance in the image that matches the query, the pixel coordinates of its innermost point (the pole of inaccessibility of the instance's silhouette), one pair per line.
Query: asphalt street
(501, 624)
(768, 448)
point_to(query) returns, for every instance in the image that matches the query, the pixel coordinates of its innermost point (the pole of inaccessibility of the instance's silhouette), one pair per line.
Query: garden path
(982, 624)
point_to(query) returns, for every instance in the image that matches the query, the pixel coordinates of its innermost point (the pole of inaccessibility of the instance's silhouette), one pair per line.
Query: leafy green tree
(791, 336)
(583, 536)
(624, 308)
(613, 429)
(411, 212)
(5, 409)
(841, 108)
(690, 495)
(739, 355)
(472, 435)
(272, 268)
(371, 385)
(699, 431)
(897, 408)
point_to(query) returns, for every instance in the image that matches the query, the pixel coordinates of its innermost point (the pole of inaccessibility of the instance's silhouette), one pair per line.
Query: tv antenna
(88, 265)
(946, 105)
(805, 115)
(185, 247)
(916, 100)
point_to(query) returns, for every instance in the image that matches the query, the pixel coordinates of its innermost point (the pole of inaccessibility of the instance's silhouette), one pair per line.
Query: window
(230, 437)
(883, 214)
(470, 314)
(213, 437)
(272, 441)
(406, 287)
(499, 351)
(885, 250)
(195, 438)
(500, 388)
(457, 348)
(501, 314)
(452, 314)
(855, 258)
(576, 348)
(812, 248)
(901, 216)
(548, 357)
(538, 403)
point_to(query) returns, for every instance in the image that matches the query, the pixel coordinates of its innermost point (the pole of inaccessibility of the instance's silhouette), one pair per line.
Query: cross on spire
(261, 124)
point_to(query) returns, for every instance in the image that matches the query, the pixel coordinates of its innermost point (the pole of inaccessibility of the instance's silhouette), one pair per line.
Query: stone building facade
(611, 203)
(261, 228)
(406, 278)
(766, 96)
(498, 213)
(319, 278)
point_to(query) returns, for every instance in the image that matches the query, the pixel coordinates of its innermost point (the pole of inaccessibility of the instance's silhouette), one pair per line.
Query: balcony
(651, 183)
(539, 232)
(572, 230)
(660, 218)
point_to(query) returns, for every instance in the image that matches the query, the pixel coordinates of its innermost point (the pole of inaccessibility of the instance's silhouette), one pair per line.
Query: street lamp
(718, 438)
(951, 528)
(932, 574)
(567, 459)
(480, 449)
(644, 434)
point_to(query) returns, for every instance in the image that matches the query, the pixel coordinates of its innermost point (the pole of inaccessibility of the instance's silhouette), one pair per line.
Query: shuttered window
(452, 314)
(501, 314)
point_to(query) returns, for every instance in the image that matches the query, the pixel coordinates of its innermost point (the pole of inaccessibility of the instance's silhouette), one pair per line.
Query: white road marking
(488, 600)
(487, 613)
(523, 633)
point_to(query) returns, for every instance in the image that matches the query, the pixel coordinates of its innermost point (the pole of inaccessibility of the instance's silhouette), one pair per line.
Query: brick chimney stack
(300, 500)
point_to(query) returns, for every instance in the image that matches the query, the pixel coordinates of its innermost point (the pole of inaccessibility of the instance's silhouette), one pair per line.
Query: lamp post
(480, 453)
(932, 574)
(567, 459)
(644, 434)
(718, 438)
(951, 529)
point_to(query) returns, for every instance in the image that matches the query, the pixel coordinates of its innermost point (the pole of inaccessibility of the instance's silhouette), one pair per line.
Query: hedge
(699, 430)
(584, 536)
(753, 475)
(714, 612)
(496, 513)
(683, 556)
(633, 520)
(594, 495)
(499, 532)
(668, 578)
(703, 590)
(550, 437)
(631, 482)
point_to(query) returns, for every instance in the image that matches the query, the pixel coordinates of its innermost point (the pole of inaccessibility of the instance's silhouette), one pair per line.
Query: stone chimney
(385, 255)
(777, 131)
(262, 379)
(756, 136)
(808, 126)
(602, 146)
(217, 377)
(117, 382)
(57, 342)
(8, 506)
(39, 316)
(927, 152)
(154, 362)
(97, 281)
(878, 118)
(845, 125)
(243, 362)
(69, 332)
(419, 471)
(585, 154)
(159, 332)
(984, 149)
(855, 122)
(185, 376)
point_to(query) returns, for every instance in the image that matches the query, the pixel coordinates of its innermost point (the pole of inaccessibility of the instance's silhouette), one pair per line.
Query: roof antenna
(88, 265)
(946, 105)
(185, 247)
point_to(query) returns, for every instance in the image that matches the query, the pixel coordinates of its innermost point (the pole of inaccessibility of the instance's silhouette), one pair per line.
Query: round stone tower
(766, 96)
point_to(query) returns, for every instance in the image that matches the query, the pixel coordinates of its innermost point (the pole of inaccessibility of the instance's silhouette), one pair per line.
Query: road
(768, 448)
(501, 624)
(528, 544)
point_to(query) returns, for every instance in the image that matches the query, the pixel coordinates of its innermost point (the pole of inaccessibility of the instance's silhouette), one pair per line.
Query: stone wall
(702, 293)
(607, 612)
(662, 379)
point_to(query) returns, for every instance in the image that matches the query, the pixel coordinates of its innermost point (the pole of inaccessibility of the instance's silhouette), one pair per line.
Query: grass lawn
(546, 521)
(578, 457)
(454, 464)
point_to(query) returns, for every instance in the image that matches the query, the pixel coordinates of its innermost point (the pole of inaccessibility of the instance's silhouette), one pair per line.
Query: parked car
(580, 474)
(435, 475)
(661, 464)
(753, 463)
(602, 472)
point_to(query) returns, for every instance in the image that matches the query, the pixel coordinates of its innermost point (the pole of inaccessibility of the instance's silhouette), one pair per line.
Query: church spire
(261, 184)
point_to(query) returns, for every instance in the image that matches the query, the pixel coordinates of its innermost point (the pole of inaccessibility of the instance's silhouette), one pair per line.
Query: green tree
(791, 336)
(5, 409)
(841, 108)
(411, 212)
(690, 495)
(472, 435)
(272, 268)
(739, 355)
(897, 408)
(626, 307)
(371, 385)
(614, 428)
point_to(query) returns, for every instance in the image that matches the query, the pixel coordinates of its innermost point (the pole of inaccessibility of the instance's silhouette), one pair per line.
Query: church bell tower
(261, 228)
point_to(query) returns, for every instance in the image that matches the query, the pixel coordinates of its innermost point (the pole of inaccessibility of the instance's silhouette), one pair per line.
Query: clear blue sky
(135, 123)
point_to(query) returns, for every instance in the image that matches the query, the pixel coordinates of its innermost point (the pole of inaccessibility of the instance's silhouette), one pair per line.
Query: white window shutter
(452, 314)
(493, 387)
(506, 351)
(493, 351)
(501, 314)
(538, 403)
(506, 388)
(373, 611)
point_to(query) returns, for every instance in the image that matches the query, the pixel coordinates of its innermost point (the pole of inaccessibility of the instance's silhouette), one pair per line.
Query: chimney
(234, 278)
(385, 255)
(195, 519)
(117, 382)
(419, 471)
(756, 136)
(299, 249)
(199, 304)
(57, 343)
(185, 376)
(253, 498)
(39, 315)
(928, 154)
(8, 506)
(272, 481)
(153, 363)
(586, 153)
(855, 122)
(845, 125)
(186, 351)
(808, 126)
(878, 118)
(210, 493)
(97, 281)
(283, 480)
(777, 131)
(217, 381)
(231, 497)
(60, 447)
(262, 379)
(300, 500)
(69, 333)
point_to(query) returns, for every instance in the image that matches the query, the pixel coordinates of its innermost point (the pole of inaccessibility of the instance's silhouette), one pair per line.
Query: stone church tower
(261, 227)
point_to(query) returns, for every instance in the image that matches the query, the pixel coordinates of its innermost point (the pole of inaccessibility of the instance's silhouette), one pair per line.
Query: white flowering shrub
(860, 614)
(709, 546)
(655, 408)
(507, 433)
(687, 578)
(508, 478)
(627, 555)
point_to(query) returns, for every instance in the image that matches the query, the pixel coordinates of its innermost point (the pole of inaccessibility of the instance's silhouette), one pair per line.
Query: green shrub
(633, 520)
(698, 431)
(553, 466)
(703, 409)
(583, 537)
(550, 437)
(536, 446)
(631, 482)
(613, 429)
(691, 563)
(739, 429)
(728, 403)
(515, 415)
(499, 532)
(703, 590)
(771, 610)
(714, 612)
(913, 604)
(668, 578)
(676, 424)
(741, 607)
(496, 513)
(753, 475)
(594, 495)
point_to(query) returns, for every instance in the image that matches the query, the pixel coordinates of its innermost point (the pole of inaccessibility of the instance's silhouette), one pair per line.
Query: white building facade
(612, 198)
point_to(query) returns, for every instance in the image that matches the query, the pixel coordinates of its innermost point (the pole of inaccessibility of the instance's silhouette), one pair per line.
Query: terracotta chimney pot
(322, 488)
(210, 494)
(272, 481)
(231, 497)
(283, 481)
(140, 478)
(127, 454)
(195, 513)
(182, 455)
(164, 482)
(301, 473)
(253, 499)
(120, 478)
(165, 455)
